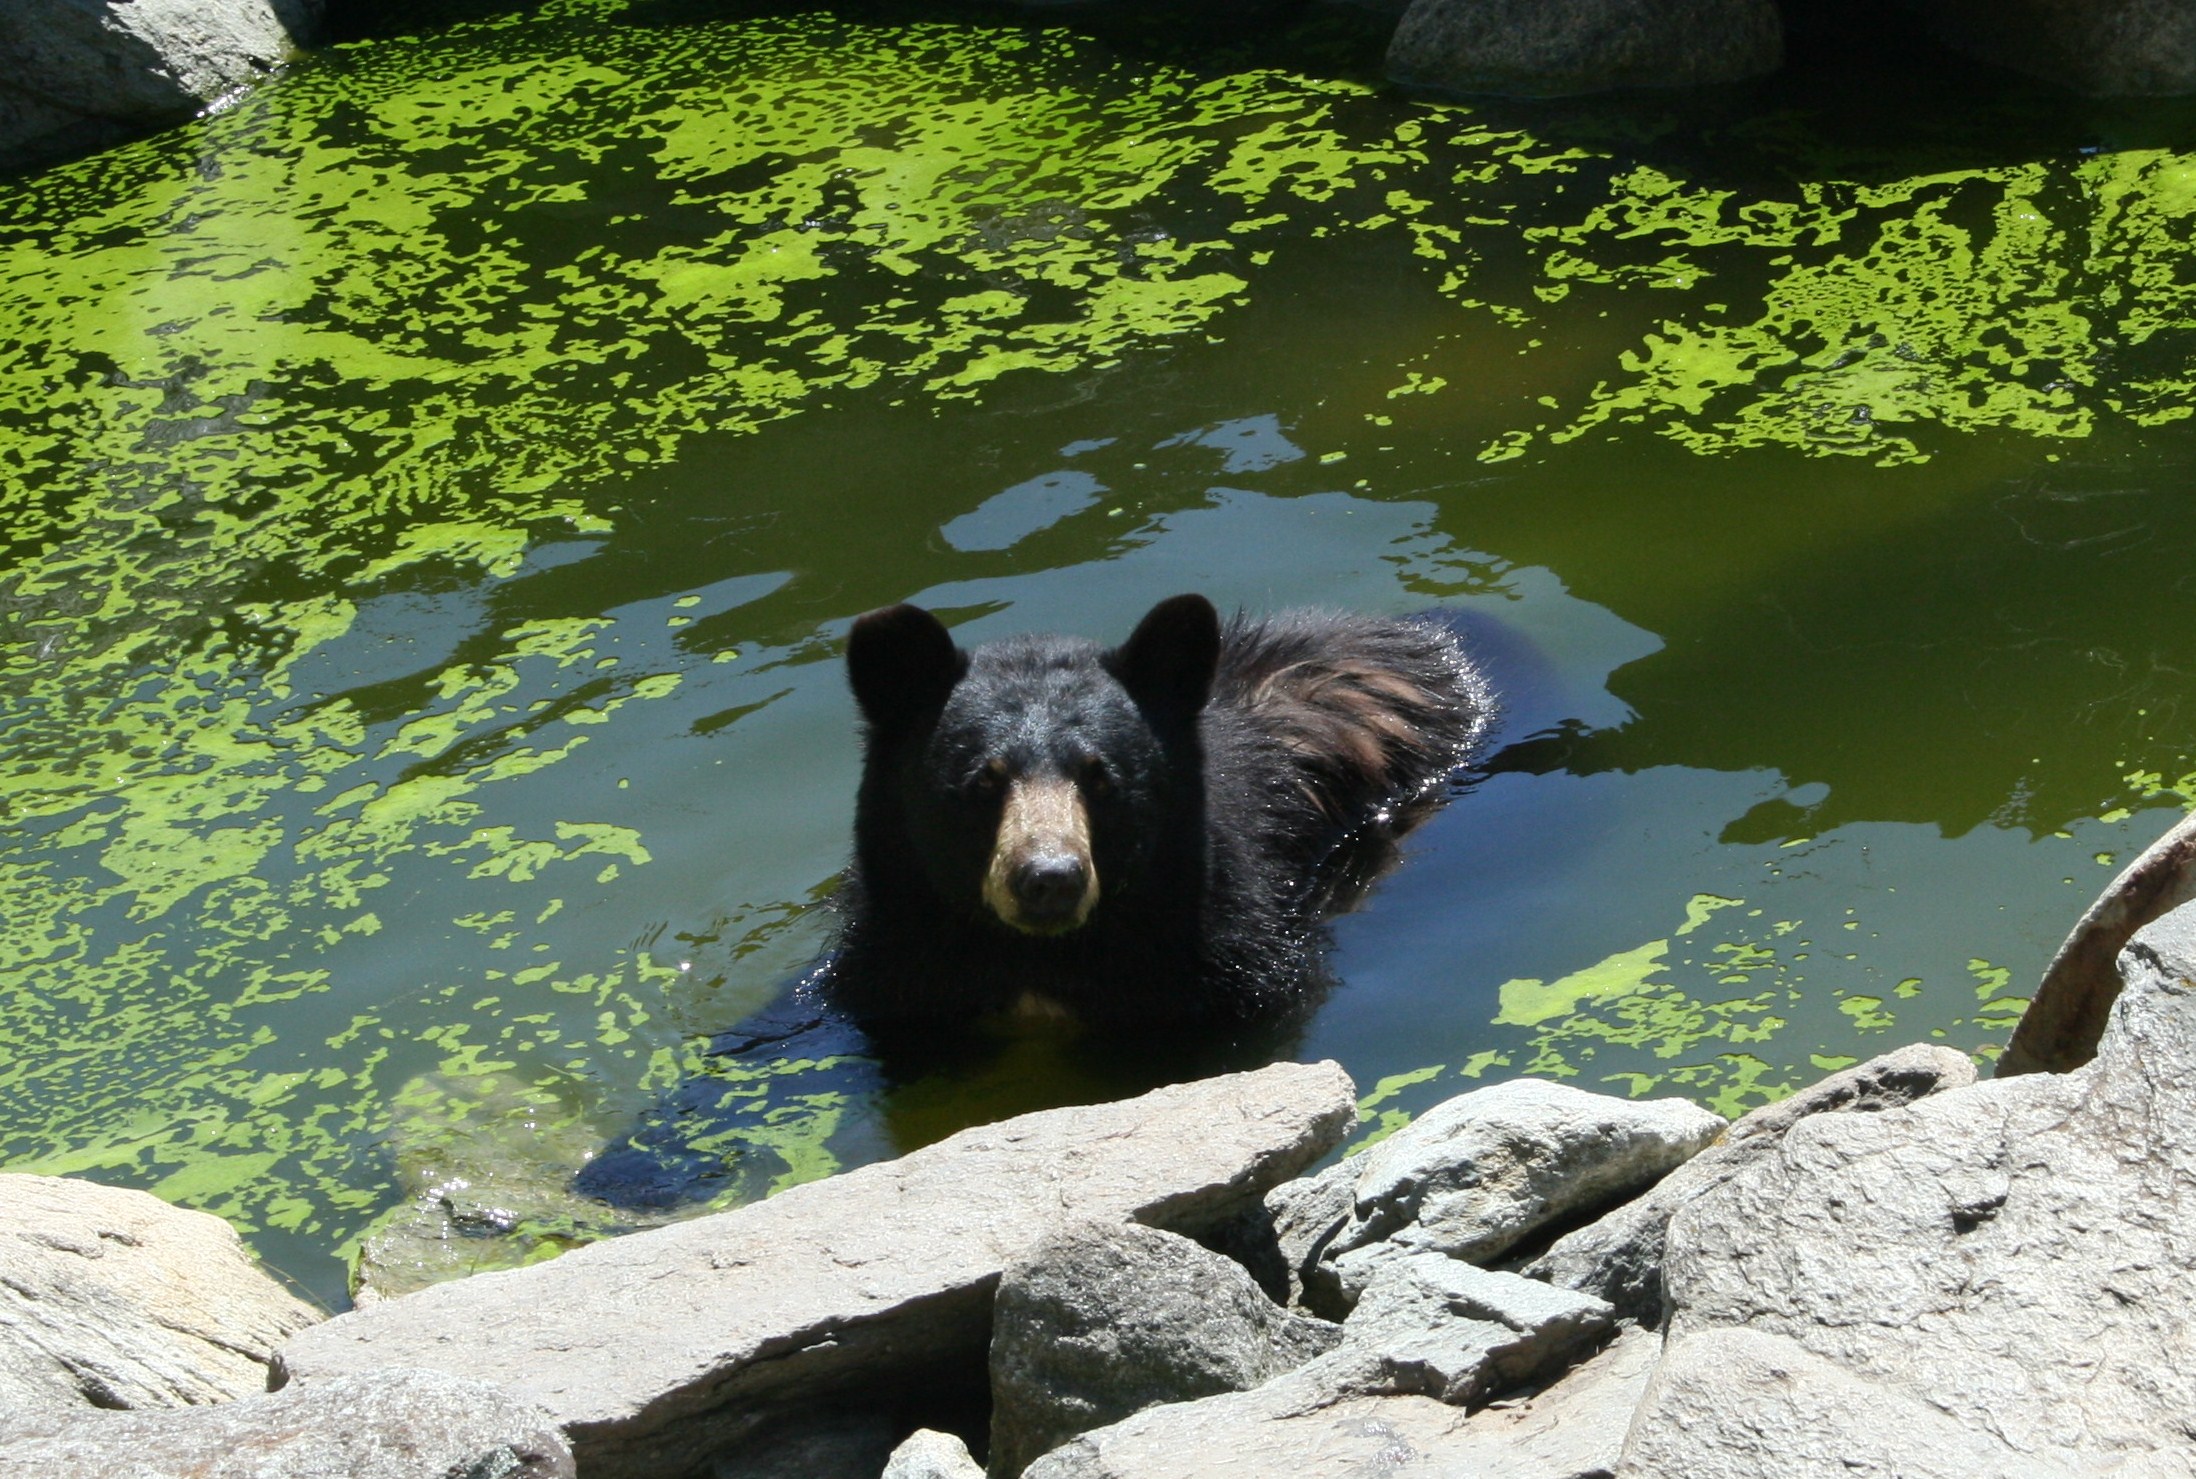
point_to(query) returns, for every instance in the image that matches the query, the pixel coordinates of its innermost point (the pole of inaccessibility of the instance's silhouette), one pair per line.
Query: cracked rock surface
(112, 1298)
(2014, 1261)
(1619, 1258)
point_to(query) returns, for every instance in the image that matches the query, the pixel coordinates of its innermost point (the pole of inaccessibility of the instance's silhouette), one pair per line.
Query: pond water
(437, 487)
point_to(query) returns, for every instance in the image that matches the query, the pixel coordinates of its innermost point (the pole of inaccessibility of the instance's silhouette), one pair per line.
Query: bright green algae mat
(434, 489)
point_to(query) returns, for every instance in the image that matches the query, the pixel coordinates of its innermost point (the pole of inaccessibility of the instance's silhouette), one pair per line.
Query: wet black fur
(1227, 770)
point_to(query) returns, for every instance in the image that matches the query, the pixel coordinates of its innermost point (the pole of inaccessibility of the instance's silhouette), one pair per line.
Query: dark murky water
(436, 489)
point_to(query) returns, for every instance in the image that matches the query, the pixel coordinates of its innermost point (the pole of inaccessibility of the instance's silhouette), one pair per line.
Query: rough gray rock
(1104, 1320)
(1551, 48)
(114, 1298)
(2101, 47)
(1295, 1426)
(2015, 1255)
(89, 72)
(658, 1351)
(1741, 1404)
(1429, 1326)
(929, 1454)
(1572, 1429)
(1304, 1216)
(383, 1425)
(1619, 1258)
(1474, 1175)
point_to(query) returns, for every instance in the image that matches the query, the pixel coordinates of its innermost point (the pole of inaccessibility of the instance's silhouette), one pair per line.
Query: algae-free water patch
(341, 638)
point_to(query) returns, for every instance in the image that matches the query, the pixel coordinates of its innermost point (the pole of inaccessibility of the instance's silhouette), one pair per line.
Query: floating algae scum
(436, 488)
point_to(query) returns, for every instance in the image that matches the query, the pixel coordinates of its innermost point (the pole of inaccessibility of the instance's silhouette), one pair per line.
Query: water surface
(436, 490)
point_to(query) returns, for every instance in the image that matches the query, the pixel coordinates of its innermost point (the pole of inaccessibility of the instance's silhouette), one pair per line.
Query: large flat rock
(113, 1298)
(2016, 1257)
(658, 1351)
(375, 1425)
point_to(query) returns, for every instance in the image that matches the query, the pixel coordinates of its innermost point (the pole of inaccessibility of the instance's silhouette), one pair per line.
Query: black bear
(1141, 834)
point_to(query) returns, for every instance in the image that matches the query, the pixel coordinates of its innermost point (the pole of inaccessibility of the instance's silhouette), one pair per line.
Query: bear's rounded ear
(902, 663)
(1168, 662)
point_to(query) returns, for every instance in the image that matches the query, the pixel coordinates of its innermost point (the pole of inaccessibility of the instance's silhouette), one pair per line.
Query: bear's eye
(1096, 776)
(989, 780)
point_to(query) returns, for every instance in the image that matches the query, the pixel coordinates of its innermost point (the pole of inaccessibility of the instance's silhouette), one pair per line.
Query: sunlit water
(436, 490)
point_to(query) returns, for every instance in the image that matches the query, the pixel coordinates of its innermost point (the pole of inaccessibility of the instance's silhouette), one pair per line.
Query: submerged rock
(2001, 1275)
(1550, 48)
(113, 1298)
(2106, 48)
(1103, 1321)
(1619, 1258)
(483, 1161)
(1473, 1176)
(377, 1425)
(659, 1352)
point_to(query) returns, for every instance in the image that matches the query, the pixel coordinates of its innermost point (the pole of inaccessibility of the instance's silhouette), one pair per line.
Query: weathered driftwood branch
(2060, 1029)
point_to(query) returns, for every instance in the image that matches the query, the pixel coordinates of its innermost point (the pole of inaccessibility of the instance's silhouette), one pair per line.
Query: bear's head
(1032, 779)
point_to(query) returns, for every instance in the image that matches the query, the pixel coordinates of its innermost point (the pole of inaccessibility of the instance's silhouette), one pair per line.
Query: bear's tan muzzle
(1042, 879)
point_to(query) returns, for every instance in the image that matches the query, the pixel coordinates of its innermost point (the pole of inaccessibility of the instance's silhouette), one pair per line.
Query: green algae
(336, 343)
(1389, 1120)
(1528, 1003)
(421, 312)
(1665, 1017)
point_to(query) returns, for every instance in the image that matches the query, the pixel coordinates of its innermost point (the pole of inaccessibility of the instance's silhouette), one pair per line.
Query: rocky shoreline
(1898, 1271)
(82, 75)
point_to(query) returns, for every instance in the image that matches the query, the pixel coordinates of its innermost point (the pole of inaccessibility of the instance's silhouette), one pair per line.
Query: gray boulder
(113, 1298)
(1102, 1321)
(1551, 48)
(660, 1352)
(383, 1425)
(1300, 1427)
(84, 73)
(2101, 47)
(1619, 1258)
(929, 1454)
(2013, 1256)
(1429, 1326)
(1473, 1176)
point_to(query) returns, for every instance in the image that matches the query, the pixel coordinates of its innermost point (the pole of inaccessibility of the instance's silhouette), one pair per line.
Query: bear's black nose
(1049, 889)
